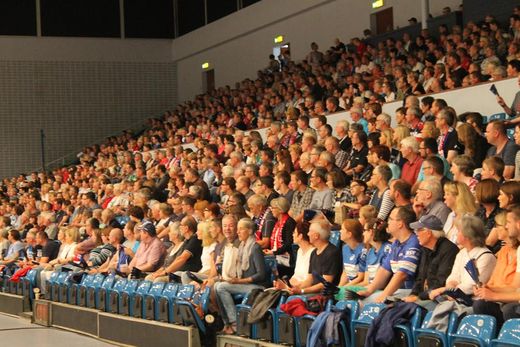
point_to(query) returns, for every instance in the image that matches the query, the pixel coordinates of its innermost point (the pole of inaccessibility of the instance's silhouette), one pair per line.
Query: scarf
(244, 254)
(260, 223)
(276, 235)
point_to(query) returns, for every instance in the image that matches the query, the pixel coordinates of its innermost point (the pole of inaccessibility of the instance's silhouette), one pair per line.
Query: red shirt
(411, 170)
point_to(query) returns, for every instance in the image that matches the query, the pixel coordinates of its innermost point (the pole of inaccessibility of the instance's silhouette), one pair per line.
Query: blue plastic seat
(474, 330)
(335, 237)
(123, 302)
(344, 326)
(361, 324)
(304, 323)
(425, 336)
(405, 333)
(149, 300)
(78, 292)
(162, 302)
(285, 325)
(92, 289)
(264, 329)
(54, 294)
(185, 292)
(29, 283)
(511, 134)
(50, 282)
(188, 313)
(497, 116)
(64, 287)
(509, 334)
(112, 295)
(101, 292)
(136, 303)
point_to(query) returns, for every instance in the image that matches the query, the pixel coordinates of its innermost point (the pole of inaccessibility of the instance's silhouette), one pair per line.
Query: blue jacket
(381, 331)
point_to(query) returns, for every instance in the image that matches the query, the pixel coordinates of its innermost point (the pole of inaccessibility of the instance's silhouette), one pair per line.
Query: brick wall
(76, 104)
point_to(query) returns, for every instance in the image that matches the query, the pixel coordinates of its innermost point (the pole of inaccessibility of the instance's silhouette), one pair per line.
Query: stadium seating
(101, 292)
(123, 300)
(93, 289)
(151, 299)
(474, 330)
(135, 299)
(509, 334)
(285, 325)
(345, 325)
(361, 324)
(164, 302)
(425, 336)
(112, 295)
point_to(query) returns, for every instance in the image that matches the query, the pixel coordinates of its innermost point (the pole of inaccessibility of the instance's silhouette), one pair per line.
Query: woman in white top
(471, 238)
(208, 246)
(303, 257)
(69, 239)
(459, 199)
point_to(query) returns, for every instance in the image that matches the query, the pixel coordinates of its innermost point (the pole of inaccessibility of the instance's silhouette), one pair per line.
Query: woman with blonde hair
(459, 199)
(430, 130)
(208, 246)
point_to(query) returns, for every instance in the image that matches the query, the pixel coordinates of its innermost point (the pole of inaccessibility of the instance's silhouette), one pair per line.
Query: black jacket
(435, 267)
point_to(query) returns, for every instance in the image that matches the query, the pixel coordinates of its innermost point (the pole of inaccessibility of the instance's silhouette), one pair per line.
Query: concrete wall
(78, 91)
(238, 46)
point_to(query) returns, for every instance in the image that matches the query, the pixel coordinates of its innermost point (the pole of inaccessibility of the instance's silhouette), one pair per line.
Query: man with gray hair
(325, 260)
(342, 127)
(356, 113)
(413, 120)
(438, 255)
(410, 151)
(383, 121)
(48, 220)
(428, 200)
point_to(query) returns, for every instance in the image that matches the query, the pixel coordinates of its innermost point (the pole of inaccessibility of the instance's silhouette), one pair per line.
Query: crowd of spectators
(439, 188)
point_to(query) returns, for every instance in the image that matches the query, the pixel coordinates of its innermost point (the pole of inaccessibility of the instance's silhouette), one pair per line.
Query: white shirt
(450, 229)
(67, 251)
(301, 270)
(485, 264)
(205, 258)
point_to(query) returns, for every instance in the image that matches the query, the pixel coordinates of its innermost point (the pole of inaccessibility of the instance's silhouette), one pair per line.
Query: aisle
(18, 332)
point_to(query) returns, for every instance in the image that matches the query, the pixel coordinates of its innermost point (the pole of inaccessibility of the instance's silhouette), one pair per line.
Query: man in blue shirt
(396, 275)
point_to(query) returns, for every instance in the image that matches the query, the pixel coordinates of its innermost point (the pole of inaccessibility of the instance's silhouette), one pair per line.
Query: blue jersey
(404, 257)
(375, 258)
(353, 260)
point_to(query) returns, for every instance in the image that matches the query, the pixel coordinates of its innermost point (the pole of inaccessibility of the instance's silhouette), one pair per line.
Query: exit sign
(377, 3)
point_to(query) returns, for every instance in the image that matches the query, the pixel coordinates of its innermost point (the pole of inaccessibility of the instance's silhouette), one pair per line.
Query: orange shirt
(505, 268)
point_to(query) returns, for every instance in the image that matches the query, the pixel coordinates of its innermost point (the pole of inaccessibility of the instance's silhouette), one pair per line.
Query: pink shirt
(149, 253)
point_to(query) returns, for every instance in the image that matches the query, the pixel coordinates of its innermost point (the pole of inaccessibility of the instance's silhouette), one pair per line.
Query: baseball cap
(427, 222)
(148, 227)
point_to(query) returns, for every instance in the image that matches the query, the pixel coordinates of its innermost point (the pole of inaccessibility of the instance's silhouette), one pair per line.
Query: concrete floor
(19, 332)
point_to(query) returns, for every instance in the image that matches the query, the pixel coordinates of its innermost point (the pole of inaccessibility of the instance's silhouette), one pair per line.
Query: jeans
(399, 293)
(511, 310)
(224, 292)
(186, 280)
(489, 308)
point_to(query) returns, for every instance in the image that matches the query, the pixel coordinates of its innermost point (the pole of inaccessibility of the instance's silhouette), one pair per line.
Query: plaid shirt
(341, 159)
(301, 201)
